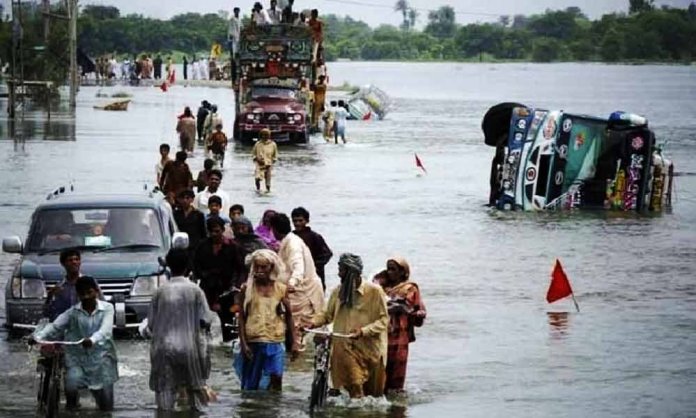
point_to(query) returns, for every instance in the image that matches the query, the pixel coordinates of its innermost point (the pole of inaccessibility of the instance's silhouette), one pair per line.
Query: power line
(384, 6)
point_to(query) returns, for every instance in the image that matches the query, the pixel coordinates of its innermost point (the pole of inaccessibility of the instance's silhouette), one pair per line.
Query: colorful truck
(273, 75)
(548, 160)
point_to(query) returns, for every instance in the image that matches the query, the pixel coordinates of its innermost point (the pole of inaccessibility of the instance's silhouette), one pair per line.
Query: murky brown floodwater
(489, 346)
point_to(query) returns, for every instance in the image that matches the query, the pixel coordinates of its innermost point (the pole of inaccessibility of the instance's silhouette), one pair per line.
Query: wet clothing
(264, 154)
(179, 352)
(404, 301)
(319, 99)
(264, 322)
(308, 298)
(267, 359)
(186, 127)
(358, 362)
(201, 116)
(321, 253)
(218, 142)
(159, 167)
(218, 273)
(406, 311)
(96, 367)
(176, 177)
(193, 224)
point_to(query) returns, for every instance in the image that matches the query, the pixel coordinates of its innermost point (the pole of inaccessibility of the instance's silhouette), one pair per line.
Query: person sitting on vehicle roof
(260, 16)
(93, 363)
(274, 13)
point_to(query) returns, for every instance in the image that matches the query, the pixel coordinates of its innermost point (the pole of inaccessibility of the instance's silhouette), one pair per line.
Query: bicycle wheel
(319, 389)
(53, 397)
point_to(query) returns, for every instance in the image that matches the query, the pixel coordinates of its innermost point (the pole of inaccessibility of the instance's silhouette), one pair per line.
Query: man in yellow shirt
(264, 154)
(358, 308)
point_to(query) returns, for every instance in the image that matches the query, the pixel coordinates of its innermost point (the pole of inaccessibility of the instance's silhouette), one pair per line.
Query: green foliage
(645, 34)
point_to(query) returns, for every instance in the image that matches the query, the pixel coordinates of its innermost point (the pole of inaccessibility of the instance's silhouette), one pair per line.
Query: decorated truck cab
(557, 160)
(272, 83)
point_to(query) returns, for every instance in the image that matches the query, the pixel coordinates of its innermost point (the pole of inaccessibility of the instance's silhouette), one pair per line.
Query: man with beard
(357, 308)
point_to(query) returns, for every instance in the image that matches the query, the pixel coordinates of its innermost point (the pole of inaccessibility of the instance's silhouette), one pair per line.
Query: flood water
(491, 346)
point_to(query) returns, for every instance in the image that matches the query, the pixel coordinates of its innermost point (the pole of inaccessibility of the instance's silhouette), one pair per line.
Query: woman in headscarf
(406, 311)
(264, 319)
(264, 230)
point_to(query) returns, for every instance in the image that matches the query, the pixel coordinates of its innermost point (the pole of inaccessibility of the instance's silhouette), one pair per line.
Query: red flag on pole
(419, 164)
(560, 286)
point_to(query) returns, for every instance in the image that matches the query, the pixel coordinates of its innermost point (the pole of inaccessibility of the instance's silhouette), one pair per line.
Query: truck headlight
(32, 289)
(250, 116)
(145, 285)
(297, 116)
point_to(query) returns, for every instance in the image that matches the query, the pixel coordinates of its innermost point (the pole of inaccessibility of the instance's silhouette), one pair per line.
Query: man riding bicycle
(93, 363)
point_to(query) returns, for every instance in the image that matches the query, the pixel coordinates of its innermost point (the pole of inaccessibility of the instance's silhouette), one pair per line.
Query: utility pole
(72, 13)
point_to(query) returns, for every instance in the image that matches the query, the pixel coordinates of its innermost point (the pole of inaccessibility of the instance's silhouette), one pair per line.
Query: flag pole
(575, 302)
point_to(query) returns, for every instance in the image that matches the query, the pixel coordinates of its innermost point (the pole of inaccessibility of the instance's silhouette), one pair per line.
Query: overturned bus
(557, 160)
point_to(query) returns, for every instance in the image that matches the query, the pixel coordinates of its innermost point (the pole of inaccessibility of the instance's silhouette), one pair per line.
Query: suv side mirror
(13, 244)
(180, 240)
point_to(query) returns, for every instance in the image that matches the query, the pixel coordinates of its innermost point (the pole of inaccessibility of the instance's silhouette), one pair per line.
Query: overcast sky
(376, 12)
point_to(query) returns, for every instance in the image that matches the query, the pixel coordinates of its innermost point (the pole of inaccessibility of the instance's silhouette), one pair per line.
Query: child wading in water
(264, 318)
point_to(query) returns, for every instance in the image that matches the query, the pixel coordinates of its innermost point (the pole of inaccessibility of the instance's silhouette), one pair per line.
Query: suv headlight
(16, 287)
(146, 285)
(28, 288)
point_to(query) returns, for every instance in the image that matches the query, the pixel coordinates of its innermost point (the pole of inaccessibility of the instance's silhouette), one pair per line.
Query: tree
(412, 17)
(101, 12)
(504, 21)
(611, 46)
(441, 22)
(545, 50)
(692, 10)
(402, 6)
(639, 6)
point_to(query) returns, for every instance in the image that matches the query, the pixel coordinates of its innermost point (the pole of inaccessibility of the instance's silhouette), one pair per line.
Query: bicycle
(51, 371)
(322, 357)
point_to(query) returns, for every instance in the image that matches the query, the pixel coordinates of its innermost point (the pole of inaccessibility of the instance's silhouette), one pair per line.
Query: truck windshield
(133, 228)
(274, 92)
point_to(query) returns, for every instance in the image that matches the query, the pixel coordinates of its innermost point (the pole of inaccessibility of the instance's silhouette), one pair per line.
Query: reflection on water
(558, 324)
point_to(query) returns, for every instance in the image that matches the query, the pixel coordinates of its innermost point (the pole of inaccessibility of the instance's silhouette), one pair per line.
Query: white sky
(375, 12)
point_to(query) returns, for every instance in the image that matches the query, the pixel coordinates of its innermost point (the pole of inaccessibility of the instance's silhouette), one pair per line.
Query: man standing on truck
(317, 27)
(264, 155)
(233, 34)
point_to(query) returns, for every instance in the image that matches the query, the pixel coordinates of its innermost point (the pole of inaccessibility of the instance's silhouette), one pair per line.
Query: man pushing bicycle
(93, 363)
(359, 309)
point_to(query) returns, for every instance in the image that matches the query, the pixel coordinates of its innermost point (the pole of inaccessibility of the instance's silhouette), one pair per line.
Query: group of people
(277, 297)
(335, 119)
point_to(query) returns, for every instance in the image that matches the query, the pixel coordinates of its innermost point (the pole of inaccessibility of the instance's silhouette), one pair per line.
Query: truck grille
(274, 118)
(108, 288)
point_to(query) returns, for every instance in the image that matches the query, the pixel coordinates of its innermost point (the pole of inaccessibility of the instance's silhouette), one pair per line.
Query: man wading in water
(357, 308)
(179, 354)
(264, 154)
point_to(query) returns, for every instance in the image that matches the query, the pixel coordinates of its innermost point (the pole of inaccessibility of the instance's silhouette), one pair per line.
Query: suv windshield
(134, 228)
(274, 92)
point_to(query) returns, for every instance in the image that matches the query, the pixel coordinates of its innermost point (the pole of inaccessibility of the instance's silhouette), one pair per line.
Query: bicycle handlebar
(42, 342)
(326, 333)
